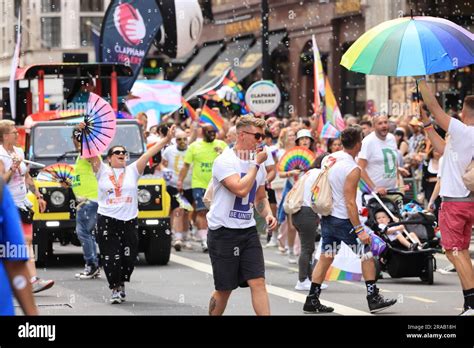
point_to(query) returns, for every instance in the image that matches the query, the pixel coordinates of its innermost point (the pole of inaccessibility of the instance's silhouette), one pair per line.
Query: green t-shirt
(202, 155)
(85, 183)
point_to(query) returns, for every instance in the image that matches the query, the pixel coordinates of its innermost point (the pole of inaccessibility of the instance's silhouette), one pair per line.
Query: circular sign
(263, 97)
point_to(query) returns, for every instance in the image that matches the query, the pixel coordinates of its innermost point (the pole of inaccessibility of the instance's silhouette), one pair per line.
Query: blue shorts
(334, 231)
(198, 195)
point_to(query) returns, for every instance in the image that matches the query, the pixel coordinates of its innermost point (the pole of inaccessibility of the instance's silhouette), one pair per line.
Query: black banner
(128, 31)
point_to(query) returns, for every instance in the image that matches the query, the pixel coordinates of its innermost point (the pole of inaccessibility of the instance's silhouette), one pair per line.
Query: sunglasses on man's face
(257, 136)
(181, 139)
(119, 152)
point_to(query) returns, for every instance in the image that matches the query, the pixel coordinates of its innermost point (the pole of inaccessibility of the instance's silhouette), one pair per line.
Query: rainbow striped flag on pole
(211, 117)
(188, 110)
(364, 187)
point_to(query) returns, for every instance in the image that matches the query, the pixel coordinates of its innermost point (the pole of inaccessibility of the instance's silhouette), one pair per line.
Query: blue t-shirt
(12, 248)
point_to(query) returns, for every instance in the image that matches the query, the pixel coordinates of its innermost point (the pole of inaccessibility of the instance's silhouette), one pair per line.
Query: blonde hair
(248, 121)
(283, 138)
(5, 126)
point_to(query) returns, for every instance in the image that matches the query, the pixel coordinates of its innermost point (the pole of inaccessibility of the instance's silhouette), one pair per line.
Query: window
(87, 24)
(50, 5)
(92, 5)
(50, 32)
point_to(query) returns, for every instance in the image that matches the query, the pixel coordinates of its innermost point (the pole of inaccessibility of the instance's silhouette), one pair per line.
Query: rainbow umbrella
(411, 46)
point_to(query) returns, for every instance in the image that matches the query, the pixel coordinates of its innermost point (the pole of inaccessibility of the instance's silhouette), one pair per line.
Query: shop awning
(198, 63)
(253, 58)
(234, 51)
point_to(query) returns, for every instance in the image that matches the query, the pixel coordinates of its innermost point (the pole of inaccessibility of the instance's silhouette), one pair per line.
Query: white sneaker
(324, 286)
(271, 244)
(204, 246)
(115, 298)
(292, 259)
(304, 285)
(468, 312)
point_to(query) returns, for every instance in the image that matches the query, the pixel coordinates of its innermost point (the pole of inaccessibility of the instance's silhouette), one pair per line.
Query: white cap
(304, 133)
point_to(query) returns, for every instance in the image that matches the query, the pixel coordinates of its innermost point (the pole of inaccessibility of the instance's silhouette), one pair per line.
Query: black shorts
(188, 194)
(236, 257)
(271, 196)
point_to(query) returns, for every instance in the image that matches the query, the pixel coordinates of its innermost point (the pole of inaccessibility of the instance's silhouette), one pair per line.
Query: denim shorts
(198, 195)
(334, 231)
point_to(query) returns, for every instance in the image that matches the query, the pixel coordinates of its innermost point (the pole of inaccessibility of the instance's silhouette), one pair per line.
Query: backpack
(468, 177)
(321, 200)
(294, 198)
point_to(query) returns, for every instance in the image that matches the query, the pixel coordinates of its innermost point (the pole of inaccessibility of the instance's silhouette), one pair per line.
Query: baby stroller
(397, 260)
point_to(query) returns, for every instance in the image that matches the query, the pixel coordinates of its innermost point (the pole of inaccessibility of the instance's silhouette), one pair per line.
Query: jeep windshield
(55, 140)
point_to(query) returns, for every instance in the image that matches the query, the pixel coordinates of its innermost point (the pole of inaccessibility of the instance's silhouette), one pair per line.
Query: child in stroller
(395, 233)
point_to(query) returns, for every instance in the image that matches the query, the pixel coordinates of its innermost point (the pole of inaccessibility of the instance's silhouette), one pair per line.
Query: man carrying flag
(201, 155)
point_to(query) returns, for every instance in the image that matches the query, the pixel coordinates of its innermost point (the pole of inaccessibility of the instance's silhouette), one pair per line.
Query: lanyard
(117, 182)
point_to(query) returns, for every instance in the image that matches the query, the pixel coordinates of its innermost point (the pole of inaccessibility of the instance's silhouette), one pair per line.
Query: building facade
(336, 25)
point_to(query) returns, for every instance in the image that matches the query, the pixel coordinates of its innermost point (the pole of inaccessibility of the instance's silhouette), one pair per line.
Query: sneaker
(39, 285)
(467, 312)
(292, 259)
(304, 285)
(188, 245)
(122, 293)
(115, 298)
(313, 305)
(271, 244)
(90, 272)
(450, 269)
(377, 303)
(178, 244)
(204, 246)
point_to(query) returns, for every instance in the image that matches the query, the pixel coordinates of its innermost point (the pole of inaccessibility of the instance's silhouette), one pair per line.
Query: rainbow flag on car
(211, 117)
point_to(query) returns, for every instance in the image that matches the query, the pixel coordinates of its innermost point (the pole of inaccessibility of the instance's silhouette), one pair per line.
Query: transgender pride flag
(155, 98)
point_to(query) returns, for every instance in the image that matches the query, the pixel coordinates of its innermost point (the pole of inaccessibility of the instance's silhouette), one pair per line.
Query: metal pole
(265, 54)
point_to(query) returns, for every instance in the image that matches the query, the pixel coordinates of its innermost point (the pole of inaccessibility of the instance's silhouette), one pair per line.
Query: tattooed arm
(263, 208)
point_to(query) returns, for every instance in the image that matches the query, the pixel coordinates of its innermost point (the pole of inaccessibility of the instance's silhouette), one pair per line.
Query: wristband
(257, 166)
(426, 125)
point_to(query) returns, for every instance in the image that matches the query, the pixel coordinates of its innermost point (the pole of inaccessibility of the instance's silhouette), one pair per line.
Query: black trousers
(118, 244)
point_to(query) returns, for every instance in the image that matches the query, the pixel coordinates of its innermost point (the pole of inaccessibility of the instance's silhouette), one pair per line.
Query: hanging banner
(128, 31)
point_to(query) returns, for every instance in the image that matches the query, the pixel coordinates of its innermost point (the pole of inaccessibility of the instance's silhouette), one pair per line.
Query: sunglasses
(119, 152)
(211, 132)
(181, 139)
(257, 136)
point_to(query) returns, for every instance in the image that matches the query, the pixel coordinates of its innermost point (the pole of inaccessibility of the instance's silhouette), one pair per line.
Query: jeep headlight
(58, 198)
(144, 196)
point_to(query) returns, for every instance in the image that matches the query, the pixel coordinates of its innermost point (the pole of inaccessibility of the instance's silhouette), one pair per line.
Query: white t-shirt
(382, 160)
(392, 236)
(228, 210)
(309, 177)
(175, 159)
(338, 173)
(17, 183)
(118, 191)
(458, 153)
(269, 161)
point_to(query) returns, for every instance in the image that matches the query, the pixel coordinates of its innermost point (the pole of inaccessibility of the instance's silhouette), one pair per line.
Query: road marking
(274, 290)
(421, 299)
(276, 264)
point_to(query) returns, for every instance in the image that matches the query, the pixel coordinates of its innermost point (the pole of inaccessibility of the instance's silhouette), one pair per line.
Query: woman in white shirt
(16, 175)
(117, 225)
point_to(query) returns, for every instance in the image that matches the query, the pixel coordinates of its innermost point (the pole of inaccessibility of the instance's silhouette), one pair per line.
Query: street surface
(183, 287)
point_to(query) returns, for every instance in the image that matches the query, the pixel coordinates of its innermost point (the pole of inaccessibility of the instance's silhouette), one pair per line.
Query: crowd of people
(235, 168)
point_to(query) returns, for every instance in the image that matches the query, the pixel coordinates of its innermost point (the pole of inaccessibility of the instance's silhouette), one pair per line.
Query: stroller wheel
(427, 275)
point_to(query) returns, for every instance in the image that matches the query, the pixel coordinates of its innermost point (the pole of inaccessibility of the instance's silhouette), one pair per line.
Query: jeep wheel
(158, 250)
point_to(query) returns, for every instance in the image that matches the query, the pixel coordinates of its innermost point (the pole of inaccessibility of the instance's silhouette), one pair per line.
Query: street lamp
(265, 54)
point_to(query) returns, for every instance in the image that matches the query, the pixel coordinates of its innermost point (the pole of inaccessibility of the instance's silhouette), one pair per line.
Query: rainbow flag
(364, 187)
(211, 117)
(188, 110)
(333, 114)
(229, 92)
(334, 273)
